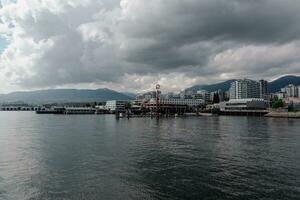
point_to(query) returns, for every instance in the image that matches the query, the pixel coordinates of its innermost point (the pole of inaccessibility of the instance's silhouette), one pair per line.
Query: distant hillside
(64, 95)
(224, 86)
(132, 95)
(274, 86)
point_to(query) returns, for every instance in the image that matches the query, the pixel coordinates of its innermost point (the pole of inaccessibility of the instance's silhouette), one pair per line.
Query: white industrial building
(115, 105)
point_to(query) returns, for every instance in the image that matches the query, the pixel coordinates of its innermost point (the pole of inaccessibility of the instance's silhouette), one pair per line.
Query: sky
(130, 45)
(2, 44)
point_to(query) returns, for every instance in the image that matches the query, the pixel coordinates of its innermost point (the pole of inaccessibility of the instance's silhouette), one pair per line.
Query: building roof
(244, 100)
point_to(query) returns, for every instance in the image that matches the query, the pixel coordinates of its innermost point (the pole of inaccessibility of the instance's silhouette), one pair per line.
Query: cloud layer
(132, 44)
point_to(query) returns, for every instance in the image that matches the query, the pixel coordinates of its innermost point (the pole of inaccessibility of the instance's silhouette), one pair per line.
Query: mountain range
(64, 95)
(74, 95)
(273, 86)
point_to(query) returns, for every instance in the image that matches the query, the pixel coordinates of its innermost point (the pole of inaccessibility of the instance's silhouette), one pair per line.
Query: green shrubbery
(277, 104)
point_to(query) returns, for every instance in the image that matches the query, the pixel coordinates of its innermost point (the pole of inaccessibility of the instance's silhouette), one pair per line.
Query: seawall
(283, 114)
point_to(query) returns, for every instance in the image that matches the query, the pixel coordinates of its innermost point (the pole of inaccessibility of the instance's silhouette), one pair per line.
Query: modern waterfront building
(244, 89)
(239, 105)
(115, 105)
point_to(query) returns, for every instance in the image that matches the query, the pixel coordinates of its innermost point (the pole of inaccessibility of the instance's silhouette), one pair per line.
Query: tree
(216, 98)
(277, 104)
(127, 105)
(92, 104)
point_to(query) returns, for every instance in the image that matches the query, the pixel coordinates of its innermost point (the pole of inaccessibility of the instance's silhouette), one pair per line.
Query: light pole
(157, 100)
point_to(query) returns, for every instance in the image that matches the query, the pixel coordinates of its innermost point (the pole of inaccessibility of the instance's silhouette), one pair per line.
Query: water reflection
(92, 157)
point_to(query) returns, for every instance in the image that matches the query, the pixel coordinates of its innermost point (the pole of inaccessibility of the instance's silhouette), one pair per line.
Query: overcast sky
(130, 45)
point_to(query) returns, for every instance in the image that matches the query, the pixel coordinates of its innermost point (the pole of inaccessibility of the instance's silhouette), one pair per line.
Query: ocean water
(99, 157)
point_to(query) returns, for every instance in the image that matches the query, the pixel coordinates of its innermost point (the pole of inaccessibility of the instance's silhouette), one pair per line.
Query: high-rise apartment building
(203, 94)
(291, 90)
(243, 89)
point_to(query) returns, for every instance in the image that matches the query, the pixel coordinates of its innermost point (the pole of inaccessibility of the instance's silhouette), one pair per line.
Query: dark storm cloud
(70, 42)
(177, 24)
(181, 22)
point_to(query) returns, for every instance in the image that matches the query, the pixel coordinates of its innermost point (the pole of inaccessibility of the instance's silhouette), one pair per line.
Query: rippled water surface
(98, 157)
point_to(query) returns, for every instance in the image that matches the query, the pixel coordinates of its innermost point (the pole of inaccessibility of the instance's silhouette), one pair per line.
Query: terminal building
(169, 103)
(250, 106)
(179, 106)
(244, 104)
(187, 102)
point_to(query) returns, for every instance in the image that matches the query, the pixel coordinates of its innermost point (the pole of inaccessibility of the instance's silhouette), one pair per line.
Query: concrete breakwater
(283, 115)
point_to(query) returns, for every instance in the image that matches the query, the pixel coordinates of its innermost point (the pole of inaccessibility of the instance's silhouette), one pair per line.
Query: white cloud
(258, 60)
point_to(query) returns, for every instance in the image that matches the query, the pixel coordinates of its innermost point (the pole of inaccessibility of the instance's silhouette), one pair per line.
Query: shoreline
(294, 115)
(272, 114)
